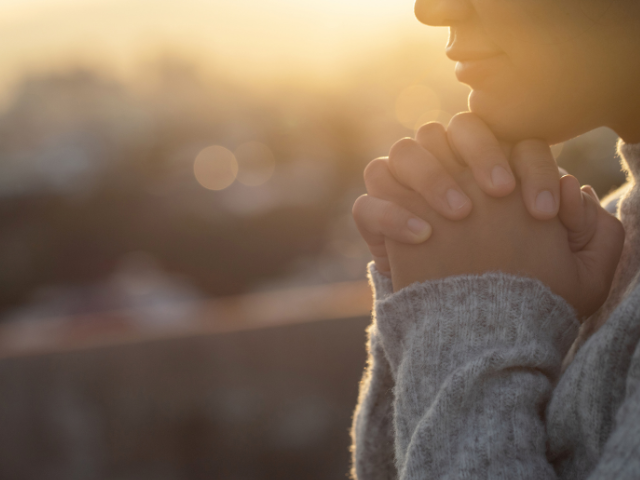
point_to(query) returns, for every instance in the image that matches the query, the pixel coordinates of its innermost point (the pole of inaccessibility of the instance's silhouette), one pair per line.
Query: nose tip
(418, 10)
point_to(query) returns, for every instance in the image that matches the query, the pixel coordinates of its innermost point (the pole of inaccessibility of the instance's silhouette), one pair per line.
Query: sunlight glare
(413, 102)
(249, 39)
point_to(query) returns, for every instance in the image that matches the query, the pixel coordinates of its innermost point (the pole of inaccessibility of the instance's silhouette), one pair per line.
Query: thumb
(595, 237)
(578, 213)
(602, 252)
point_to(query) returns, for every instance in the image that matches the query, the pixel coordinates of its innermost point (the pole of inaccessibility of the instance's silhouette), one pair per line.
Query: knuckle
(485, 155)
(400, 148)
(432, 175)
(460, 120)
(375, 170)
(420, 169)
(429, 131)
(359, 206)
(467, 133)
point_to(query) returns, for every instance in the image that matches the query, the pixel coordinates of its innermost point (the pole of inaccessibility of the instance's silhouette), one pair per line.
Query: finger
(589, 189)
(379, 219)
(506, 148)
(381, 183)
(594, 235)
(605, 247)
(571, 210)
(418, 170)
(601, 255)
(576, 213)
(478, 148)
(433, 138)
(538, 172)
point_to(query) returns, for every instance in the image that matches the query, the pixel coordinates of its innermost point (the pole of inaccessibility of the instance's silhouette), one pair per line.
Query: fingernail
(418, 226)
(501, 177)
(455, 199)
(545, 203)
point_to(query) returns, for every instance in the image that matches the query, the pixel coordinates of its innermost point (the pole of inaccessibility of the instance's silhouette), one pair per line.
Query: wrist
(493, 310)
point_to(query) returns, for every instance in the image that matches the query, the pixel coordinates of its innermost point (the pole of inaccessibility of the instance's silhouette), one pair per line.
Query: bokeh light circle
(413, 102)
(256, 163)
(215, 168)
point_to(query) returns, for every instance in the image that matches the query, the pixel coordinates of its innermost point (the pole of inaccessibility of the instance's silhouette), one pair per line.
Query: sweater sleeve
(472, 361)
(620, 457)
(372, 449)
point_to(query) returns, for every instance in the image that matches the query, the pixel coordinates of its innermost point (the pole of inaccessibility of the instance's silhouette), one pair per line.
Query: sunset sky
(247, 38)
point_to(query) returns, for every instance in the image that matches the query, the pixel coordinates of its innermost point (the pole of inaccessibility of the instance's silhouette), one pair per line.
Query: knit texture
(464, 378)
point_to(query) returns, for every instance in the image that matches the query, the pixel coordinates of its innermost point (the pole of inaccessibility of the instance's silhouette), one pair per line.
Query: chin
(521, 117)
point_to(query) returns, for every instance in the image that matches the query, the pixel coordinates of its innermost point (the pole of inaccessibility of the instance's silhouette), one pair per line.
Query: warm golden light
(215, 168)
(433, 116)
(254, 42)
(256, 163)
(413, 102)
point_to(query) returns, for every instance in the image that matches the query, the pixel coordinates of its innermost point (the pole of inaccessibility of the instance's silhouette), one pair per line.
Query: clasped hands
(455, 201)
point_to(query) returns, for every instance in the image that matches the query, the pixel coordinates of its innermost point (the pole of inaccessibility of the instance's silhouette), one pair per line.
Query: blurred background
(182, 288)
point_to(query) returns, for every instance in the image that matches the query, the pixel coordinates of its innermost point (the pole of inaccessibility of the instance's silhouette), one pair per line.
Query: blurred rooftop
(165, 320)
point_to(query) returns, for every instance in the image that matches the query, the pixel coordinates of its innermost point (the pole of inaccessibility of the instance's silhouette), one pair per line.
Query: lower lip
(473, 72)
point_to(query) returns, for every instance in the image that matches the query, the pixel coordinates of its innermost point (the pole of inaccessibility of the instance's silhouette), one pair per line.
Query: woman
(470, 331)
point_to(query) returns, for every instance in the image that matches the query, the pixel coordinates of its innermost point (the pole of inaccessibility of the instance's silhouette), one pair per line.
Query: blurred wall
(264, 404)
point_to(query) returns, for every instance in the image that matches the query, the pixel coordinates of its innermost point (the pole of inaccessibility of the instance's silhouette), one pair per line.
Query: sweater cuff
(480, 311)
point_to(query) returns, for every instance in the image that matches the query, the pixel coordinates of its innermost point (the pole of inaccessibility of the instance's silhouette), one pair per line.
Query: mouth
(477, 58)
(473, 71)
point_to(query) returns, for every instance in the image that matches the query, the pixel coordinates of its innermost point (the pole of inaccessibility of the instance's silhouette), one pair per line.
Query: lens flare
(413, 102)
(215, 168)
(256, 163)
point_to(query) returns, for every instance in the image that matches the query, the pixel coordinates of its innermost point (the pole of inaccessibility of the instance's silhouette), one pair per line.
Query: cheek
(517, 108)
(538, 37)
(538, 22)
(544, 88)
(518, 98)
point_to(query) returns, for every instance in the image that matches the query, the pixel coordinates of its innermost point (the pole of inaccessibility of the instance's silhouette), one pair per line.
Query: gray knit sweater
(465, 380)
